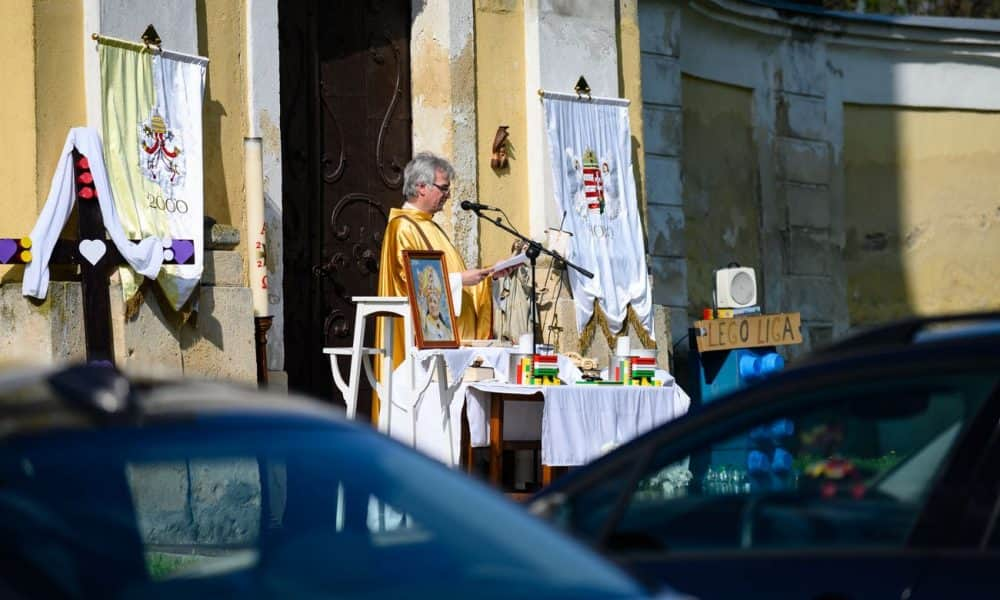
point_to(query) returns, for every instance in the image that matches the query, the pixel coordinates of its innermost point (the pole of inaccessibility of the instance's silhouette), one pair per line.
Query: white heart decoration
(92, 250)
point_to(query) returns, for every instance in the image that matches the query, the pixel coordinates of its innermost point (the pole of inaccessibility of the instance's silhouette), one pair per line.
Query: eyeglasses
(445, 189)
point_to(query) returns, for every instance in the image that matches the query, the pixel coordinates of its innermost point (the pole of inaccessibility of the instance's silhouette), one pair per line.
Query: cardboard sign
(748, 332)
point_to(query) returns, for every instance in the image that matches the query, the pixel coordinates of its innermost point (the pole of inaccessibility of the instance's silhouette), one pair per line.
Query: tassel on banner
(640, 331)
(134, 303)
(187, 311)
(600, 320)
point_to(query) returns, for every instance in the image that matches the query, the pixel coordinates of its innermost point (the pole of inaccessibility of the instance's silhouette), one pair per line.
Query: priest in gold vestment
(427, 186)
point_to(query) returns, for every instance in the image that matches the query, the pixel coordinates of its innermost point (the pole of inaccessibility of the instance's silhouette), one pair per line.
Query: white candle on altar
(256, 232)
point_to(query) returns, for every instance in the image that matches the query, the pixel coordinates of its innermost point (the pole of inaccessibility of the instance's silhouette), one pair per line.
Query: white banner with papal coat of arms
(590, 145)
(152, 107)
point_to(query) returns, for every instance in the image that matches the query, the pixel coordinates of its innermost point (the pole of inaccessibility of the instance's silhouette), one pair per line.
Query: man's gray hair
(423, 170)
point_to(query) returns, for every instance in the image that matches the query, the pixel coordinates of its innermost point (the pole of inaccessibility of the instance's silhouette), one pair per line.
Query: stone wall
(659, 31)
(204, 502)
(906, 239)
(216, 342)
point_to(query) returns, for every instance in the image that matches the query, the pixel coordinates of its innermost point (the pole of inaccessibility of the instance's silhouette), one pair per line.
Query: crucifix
(96, 257)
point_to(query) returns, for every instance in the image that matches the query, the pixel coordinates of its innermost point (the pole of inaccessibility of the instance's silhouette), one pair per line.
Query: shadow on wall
(213, 114)
(829, 226)
(722, 198)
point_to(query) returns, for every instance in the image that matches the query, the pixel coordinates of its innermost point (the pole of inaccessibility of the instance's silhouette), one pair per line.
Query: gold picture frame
(434, 323)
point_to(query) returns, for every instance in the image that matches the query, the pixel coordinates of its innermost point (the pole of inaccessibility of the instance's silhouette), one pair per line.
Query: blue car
(870, 470)
(115, 488)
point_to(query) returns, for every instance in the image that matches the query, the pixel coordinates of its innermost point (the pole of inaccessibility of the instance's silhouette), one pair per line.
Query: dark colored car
(111, 488)
(871, 470)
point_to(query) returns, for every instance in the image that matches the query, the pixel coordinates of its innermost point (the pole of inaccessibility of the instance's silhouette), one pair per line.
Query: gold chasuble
(404, 233)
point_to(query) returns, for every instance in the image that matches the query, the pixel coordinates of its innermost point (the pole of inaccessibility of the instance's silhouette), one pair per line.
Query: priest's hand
(507, 272)
(504, 272)
(474, 276)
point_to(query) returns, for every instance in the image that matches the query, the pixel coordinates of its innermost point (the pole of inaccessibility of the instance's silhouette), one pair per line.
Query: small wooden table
(497, 444)
(597, 413)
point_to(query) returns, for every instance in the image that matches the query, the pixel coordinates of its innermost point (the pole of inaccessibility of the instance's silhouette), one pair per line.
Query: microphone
(476, 206)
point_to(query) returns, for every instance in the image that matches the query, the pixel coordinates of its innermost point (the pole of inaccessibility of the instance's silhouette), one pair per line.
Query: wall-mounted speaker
(735, 287)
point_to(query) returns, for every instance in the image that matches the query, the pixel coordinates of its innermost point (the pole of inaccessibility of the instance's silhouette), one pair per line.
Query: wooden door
(346, 136)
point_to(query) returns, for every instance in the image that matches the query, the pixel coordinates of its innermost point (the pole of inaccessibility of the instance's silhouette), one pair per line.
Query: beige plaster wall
(17, 123)
(60, 102)
(500, 101)
(922, 220)
(500, 77)
(721, 200)
(225, 121)
(43, 99)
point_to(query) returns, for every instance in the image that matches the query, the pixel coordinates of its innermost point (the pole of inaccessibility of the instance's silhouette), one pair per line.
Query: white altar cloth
(577, 422)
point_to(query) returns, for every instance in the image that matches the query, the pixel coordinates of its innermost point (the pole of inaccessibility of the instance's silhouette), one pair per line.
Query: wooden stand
(261, 325)
(498, 445)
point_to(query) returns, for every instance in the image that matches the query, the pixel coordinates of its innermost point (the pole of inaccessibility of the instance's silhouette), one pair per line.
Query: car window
(238, 507)
(844, 467)
(586, 512)
(196, 515)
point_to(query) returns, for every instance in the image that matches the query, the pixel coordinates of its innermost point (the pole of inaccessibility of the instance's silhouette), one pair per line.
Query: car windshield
(847, 466)
(225, 505)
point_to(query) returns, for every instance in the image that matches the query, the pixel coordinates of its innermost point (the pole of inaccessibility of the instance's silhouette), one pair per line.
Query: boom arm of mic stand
(531, 243)
(534, 248)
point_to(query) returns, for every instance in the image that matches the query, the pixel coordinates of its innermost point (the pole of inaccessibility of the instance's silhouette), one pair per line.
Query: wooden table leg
(496, 440)
(546, 475)
(466, 457)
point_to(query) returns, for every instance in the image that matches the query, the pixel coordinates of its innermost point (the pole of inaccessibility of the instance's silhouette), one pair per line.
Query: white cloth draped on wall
(145, 257)
(590, 145)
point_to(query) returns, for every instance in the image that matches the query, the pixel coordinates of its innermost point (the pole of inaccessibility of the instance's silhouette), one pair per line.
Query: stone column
(659, 28)
(799, 242)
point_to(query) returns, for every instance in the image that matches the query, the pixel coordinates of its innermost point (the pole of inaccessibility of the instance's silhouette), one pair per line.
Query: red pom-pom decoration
(86, 193)
(83, 163)
(85, 178)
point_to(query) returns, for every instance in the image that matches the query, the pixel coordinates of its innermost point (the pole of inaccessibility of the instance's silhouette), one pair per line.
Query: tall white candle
(256, 232)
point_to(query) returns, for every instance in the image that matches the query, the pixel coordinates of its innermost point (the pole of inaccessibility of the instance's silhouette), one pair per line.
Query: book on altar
(513, 261)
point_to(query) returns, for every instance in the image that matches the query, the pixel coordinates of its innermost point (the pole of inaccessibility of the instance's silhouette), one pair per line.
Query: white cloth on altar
(579, 426)
(438, 428)
(497, 358)
(576, 423)
(146, 257)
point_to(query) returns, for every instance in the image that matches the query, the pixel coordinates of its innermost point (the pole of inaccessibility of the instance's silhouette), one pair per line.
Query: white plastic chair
(397, 307)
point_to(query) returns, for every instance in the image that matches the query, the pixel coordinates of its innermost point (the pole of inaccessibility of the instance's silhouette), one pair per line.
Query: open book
(513, 261)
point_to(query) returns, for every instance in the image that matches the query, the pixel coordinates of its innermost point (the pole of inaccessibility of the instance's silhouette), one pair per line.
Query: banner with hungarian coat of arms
(590, 145)
(152, 129)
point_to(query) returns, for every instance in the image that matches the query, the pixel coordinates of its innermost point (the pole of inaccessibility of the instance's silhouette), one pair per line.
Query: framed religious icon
(434, 324)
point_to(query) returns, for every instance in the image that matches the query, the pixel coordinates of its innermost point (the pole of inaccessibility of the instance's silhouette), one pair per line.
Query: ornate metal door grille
(346, 135)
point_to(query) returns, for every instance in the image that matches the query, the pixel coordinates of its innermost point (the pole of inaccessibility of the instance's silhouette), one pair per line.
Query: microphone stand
(533, 251)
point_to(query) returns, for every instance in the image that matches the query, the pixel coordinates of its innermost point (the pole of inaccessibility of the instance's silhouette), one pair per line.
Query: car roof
(965, 342)
(915, 330)
(88, 395)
